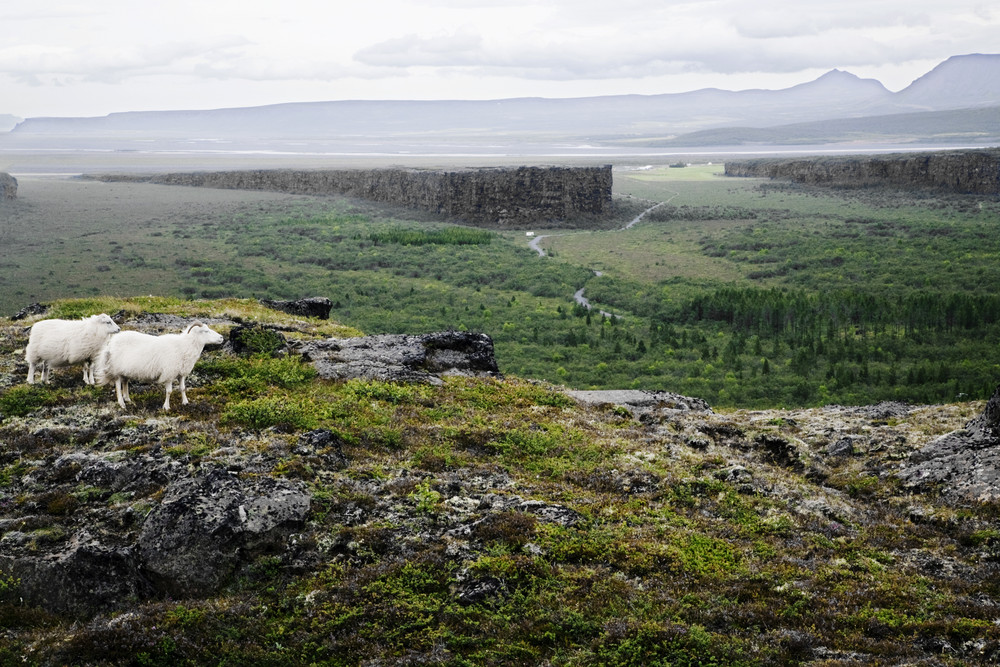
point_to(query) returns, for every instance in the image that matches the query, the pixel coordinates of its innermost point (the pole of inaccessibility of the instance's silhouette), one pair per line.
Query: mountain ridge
(961, 82)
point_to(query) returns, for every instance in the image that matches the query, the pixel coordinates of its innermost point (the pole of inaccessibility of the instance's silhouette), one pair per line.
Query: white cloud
(109, 55)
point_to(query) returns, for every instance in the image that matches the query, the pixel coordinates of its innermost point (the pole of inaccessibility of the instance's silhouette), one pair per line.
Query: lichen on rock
(964, 463)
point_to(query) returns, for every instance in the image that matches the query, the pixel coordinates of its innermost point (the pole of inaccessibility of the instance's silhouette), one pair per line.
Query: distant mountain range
(958, 102)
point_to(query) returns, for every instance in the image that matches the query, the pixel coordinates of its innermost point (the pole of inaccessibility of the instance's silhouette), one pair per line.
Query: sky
(94, 57)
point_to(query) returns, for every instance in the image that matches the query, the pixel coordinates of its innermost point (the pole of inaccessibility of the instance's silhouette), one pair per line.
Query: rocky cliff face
(495, 197)
(8, 187)
(964, 172)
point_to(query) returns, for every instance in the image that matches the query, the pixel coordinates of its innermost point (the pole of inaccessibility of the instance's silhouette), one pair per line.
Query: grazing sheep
(54, 343)
(132, 355)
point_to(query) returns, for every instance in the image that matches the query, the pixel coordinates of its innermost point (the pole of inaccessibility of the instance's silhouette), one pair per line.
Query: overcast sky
(93, 57)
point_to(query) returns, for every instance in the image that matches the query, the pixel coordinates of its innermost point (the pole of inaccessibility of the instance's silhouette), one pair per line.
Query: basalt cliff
(496, 197)
(964, 172)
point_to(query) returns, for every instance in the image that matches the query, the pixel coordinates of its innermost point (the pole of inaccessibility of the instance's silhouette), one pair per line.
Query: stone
(314, 306)
(207, 525)
(79, 579)
(403, 358)
(964, 463)
(250, 339)
(32, 309)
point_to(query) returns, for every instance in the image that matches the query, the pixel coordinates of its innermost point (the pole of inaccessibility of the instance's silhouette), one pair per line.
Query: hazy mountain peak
(971, 80)
(839, 79)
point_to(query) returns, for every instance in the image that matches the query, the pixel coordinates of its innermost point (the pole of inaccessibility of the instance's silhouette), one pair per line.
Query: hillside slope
(284, 519)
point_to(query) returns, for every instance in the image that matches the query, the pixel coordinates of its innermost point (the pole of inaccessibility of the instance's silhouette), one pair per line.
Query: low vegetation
(742, 292)
(732, 538)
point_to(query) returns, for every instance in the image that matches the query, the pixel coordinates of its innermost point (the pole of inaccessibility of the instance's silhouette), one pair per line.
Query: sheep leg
(128, 398)
(88, 375)
(184, 396)
(169, 386)
(31, 372)
(45, 372)
(119, 393)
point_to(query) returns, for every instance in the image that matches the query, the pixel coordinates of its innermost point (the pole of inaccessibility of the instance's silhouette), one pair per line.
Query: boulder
(82, 577)
(209, 524)
(642, 402)
(964, 464)
(402, 357)
(315, 306)
(29, 310)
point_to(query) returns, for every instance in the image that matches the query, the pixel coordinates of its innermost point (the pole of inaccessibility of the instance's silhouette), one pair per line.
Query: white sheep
(132, 355)
(54, 343)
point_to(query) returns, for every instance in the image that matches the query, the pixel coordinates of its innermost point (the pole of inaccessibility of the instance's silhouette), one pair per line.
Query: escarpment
(963, 172)
(495, 197)
(8, 187)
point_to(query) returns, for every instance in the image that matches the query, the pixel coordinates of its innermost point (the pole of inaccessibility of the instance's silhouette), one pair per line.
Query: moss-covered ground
(728, 538)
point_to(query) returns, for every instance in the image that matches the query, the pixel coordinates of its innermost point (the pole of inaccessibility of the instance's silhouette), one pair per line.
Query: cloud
(448, 47)
(456, 50)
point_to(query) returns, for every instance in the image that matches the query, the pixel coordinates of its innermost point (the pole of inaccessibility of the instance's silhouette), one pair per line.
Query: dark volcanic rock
(82, 577)
(404, 358)
(207, 525)
(964, 463)
(28, 311)
(315, 306)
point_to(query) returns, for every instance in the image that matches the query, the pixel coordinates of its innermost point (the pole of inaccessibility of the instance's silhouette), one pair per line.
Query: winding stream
(578, 296)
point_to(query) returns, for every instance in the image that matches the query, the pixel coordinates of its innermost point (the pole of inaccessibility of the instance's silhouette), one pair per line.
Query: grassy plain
(739, 291)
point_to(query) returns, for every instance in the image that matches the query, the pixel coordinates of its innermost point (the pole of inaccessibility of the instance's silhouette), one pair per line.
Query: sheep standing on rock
(132, 355)
(54, 343)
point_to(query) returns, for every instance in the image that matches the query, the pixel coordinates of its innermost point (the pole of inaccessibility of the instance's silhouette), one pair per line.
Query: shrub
(24, 399)
(268, 411)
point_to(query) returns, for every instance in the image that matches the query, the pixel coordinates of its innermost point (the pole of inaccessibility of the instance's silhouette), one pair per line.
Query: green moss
(24, 399)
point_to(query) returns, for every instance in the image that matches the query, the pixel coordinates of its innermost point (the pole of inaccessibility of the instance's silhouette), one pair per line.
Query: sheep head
(205, 334)
(106, 320)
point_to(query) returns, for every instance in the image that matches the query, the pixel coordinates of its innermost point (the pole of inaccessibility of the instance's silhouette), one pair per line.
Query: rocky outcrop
(964, 464)
(403, 358)
(642, 402)
(8, 187)
(964, 172)
(316, 306)
(494, 197)
(193, 540)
